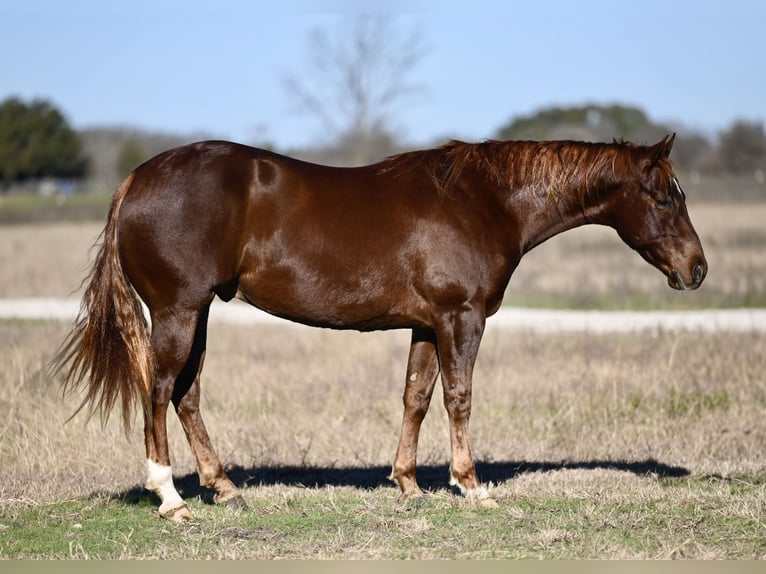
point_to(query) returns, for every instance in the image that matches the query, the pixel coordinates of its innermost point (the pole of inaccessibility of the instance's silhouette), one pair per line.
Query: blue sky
(218, 68)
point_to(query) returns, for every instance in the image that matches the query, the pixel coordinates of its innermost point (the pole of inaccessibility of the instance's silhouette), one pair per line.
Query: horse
(425, 240)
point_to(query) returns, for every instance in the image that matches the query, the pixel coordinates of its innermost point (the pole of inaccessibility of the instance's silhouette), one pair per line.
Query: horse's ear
(661, 150)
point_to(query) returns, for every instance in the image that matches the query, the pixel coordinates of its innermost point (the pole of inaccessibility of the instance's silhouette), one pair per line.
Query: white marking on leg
(475, 493)
(414, 377)
(159, 479)
(470, 493)
(482, 494)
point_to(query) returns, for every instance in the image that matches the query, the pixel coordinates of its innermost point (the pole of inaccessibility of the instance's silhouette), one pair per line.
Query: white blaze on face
(678, 188)
(159, 479)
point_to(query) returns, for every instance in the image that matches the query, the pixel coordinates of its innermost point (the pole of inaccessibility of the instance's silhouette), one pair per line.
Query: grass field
(629, 446)
(597, 446)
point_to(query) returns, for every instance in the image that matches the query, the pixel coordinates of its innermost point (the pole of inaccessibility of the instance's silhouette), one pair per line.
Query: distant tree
(743, 147)
(588, 123)
(105, 145)
(131, 155)
(36, 141)
(359, 74)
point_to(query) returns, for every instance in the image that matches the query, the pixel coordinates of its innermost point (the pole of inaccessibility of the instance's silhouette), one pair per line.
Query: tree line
(37, 143)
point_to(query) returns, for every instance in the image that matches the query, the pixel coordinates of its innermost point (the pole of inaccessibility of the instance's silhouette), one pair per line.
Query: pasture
(597, 446)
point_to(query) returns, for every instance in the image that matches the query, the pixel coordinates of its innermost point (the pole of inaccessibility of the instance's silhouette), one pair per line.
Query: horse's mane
(549, 167)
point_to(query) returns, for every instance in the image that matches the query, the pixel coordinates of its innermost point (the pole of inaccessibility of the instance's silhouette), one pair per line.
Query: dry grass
(284, 396)
(571, 429)
(46, 260)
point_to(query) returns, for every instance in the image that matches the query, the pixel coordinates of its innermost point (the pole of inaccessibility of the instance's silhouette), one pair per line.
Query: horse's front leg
(422, 371)
(459, 336)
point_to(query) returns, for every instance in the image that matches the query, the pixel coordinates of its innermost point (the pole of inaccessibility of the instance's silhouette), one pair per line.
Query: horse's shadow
(430, 477)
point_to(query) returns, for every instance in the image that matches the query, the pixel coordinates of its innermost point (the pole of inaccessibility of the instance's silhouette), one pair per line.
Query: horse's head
(649, 213)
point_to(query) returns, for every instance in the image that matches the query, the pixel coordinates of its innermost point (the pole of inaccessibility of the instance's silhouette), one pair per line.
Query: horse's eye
(664, 202)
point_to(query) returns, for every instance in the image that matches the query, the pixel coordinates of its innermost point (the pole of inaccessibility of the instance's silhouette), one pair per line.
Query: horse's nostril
(698, 272)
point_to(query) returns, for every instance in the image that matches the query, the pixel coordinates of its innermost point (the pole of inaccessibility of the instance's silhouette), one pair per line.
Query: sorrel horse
(425, 240)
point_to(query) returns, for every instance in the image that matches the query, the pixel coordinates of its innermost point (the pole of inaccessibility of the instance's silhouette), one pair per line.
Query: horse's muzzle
(699, 272)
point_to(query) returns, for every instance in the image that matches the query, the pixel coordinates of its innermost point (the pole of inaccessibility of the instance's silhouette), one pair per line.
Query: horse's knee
(186, 409)
(417, 402)
(457, 400)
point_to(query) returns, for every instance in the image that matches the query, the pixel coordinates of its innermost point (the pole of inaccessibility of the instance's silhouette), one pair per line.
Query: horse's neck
(547, 213)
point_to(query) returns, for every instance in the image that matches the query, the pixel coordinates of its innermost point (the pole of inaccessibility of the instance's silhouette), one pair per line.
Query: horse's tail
(108, 352)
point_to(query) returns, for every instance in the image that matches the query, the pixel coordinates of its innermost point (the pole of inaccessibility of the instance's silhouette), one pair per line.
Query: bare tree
(359, 73)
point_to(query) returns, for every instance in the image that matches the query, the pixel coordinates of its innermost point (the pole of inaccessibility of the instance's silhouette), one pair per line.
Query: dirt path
(511, 318)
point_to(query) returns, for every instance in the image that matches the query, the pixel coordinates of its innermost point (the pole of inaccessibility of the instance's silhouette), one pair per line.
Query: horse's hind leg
(186, 399)
(422, 372)
(172, 337)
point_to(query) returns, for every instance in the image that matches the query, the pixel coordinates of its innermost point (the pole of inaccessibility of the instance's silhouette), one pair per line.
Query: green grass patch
(689, 518)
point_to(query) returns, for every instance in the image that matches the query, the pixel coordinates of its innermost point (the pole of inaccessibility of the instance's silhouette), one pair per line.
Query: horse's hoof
(418, 502)
(414, 499)
(232, 502)
(236, 503)
(177, 514)
(410, 496)
(480, 495)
